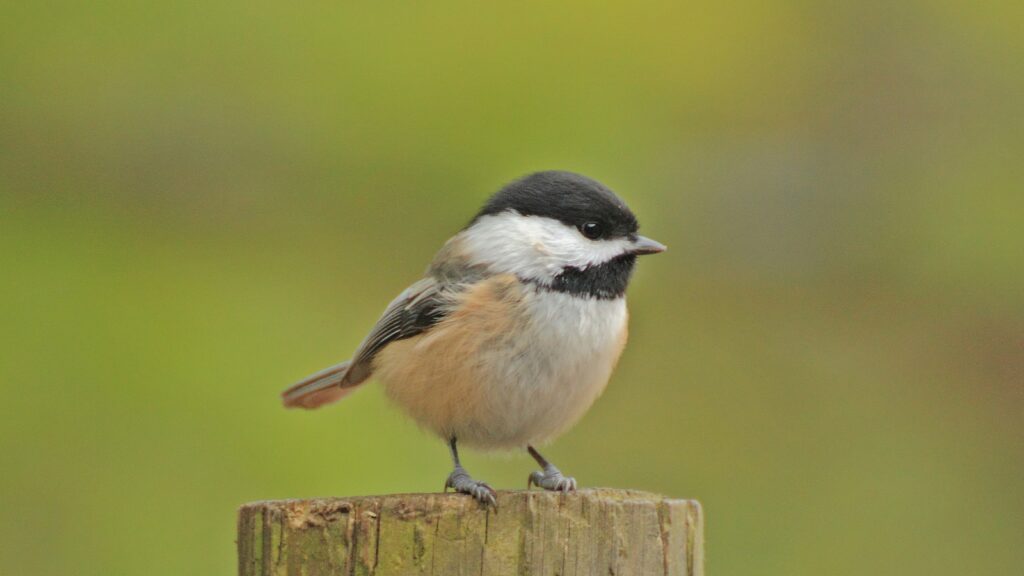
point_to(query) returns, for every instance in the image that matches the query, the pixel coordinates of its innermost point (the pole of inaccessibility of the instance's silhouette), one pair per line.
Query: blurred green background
(201, 202)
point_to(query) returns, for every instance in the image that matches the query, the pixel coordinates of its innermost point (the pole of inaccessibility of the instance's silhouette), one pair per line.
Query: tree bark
(598, 531)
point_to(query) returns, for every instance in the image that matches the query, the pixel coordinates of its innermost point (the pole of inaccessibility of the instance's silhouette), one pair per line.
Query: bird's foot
(460, 481)
(551, 478)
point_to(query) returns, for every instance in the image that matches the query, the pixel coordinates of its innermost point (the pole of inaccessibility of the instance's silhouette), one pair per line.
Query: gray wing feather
(419, 307)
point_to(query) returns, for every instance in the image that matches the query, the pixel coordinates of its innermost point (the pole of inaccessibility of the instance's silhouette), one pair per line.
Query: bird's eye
(592, 230)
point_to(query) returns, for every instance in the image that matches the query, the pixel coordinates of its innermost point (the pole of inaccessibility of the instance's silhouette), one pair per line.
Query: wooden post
(594, 531)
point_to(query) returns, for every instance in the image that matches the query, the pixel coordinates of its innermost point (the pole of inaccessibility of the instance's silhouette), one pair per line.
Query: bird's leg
(460, 481)
(549, 477)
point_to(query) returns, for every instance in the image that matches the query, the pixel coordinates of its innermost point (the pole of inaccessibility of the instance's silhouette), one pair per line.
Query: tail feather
(318, 389)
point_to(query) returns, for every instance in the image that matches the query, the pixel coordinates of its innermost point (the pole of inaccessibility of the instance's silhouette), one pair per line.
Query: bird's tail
(318, 389)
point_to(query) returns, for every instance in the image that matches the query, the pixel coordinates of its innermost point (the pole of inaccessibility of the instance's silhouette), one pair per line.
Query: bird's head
(559, 230)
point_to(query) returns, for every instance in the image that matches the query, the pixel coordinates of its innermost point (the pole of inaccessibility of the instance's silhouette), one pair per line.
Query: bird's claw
(551, 478)
(460, 481)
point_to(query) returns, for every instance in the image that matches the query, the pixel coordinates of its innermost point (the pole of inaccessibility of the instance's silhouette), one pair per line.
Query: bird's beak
(643, 245)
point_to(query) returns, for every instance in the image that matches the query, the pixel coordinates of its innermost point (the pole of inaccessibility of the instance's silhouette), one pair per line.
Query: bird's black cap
(570, 198)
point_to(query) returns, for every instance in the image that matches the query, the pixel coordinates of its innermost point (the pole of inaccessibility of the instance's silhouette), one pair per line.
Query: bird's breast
(512, 363)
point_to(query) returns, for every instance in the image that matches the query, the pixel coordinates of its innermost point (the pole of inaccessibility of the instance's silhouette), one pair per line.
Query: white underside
(535, 391)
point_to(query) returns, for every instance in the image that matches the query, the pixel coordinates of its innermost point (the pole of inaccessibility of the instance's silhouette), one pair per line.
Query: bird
(514, 330)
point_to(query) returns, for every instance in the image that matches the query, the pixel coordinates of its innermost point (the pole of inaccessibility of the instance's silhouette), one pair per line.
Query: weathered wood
(599, 531)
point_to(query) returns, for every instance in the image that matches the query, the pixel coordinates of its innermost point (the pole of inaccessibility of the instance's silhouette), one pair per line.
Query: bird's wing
(419, 307)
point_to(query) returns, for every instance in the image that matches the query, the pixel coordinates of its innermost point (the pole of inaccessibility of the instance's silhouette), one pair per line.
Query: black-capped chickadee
(514, 330)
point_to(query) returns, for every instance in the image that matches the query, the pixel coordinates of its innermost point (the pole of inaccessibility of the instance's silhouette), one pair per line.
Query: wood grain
(595, 531)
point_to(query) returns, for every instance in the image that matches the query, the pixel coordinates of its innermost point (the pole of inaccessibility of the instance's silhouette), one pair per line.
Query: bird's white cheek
(535, 247)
